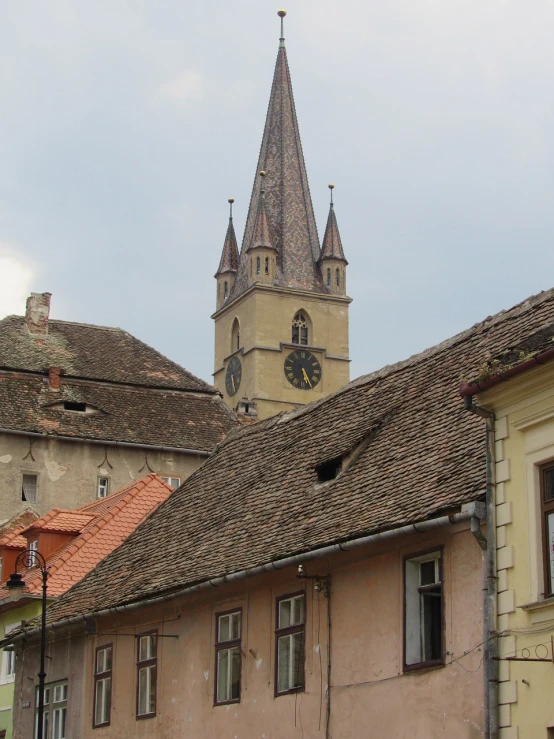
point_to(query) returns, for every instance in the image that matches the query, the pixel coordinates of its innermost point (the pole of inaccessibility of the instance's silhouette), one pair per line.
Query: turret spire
(332, 244)
(229, 261)
(262, 230)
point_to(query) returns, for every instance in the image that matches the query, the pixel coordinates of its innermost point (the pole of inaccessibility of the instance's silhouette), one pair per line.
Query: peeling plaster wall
(68, 472)
(370, 694)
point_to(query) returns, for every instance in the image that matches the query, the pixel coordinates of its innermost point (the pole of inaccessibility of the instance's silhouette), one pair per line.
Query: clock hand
(306, 377)
(233, 381)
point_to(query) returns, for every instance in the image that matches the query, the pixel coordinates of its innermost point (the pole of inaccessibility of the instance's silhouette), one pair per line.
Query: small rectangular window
(146, 674)
(174, 482)
(103, 487)
(103, 685)
(29, 487)
(7, 672)
(228, 657)
(423, 617)
(32, 547)
(289, 634)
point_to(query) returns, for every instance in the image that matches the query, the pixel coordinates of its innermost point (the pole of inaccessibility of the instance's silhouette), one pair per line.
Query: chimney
(54, 378)
(36, 314)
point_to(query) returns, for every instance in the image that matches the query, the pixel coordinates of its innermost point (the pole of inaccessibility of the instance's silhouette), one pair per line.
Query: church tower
(281, 320)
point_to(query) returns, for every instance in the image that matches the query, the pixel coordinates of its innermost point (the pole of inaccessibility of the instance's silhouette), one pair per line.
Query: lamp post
(31, 558)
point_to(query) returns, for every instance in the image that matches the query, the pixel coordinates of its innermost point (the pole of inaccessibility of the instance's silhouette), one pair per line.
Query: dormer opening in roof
(332, 260)
(228, 264)
(261, 252)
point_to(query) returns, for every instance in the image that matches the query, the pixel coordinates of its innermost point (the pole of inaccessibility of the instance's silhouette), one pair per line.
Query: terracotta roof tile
(413, 453)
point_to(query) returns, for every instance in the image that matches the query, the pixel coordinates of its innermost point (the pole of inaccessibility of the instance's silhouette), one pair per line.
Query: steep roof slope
(410, 449)
(93, 353)
(100, 527)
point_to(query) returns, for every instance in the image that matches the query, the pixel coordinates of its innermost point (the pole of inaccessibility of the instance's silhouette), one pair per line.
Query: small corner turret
(228, 264)
(262, 254)
(332, 261)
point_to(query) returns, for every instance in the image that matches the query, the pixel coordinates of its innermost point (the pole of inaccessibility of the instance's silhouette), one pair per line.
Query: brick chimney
(54, 378)
(36, 314)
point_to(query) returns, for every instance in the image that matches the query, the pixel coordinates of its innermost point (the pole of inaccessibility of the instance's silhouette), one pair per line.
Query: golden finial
(281, 13)
(331, 188)
(231, 201)
(263, 173)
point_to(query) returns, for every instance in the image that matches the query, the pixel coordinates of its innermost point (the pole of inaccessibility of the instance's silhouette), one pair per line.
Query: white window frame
(23, 476)
(416, 595)
(168, 479)
(147, 665)
(55, 710)
(7, 671)
(288, 635)
(103, 670)
(102, 487)
(225, 650)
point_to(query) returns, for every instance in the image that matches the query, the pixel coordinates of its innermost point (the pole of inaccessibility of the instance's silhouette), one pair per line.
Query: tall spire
(332, 244)
(229, 261)
(288, 203)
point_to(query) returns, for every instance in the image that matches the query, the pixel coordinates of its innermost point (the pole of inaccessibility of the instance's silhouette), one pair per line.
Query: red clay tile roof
(105, 525)
(415, 453)
(62, 521)
(9, 530)
(128, 414)
(92, 353)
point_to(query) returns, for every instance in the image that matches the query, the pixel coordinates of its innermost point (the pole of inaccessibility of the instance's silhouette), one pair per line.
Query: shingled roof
(128, 392)
(410, 452)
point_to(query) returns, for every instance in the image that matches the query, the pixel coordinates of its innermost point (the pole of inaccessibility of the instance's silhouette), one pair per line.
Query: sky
(126, 124)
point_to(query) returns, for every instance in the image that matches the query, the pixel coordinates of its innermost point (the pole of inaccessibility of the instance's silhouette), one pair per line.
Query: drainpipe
(490, 640)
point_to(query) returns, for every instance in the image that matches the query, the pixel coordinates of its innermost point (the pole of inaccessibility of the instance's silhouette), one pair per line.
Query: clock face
(233, 376)
(302, 369)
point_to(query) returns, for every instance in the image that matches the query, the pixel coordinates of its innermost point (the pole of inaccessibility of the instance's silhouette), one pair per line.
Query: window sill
(291, 691)
(7, 680)
(419, 666)
(538, 605)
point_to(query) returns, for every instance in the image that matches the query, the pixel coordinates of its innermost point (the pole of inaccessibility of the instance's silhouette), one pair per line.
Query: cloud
(188, 85)
(15, 282)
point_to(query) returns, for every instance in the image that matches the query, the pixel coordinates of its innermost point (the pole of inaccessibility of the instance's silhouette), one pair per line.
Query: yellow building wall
(524, 440)
(265, 316)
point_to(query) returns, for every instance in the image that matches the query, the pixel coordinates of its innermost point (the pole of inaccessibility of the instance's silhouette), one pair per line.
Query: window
(29, 488)
(146, 674)
(300, 329)
(225, 290)
(329, 277)
(328, 470)
(289, 665)
(7, 672)
(235, 336)
(547, 509)
(33, 547)
(174, 482)
(267, 265)
(227, 657)
(258, 265)
(103, 487)
(423, 618)
(55, 711)
(103, 685)
(69, 405)
(338, 277)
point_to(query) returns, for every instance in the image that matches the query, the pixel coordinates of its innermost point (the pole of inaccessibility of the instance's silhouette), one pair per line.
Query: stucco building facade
(85, 410)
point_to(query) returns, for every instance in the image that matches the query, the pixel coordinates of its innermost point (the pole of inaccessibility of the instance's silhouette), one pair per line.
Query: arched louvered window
(338, 277)
(225, 290)
(258, 265)
(267, 265)
(329, 277)
(235, 336)
(300, 329)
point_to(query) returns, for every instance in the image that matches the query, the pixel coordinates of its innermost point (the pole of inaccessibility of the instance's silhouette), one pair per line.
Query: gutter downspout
(101, 442)
(472, 510)
(490, 636)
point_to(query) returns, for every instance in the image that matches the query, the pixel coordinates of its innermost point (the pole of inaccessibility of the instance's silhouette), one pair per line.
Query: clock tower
(281, 319)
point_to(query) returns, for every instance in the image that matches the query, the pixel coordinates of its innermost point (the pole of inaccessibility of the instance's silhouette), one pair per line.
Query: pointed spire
(288, 206)
(332, 244)
(229, 261)
(262, 230)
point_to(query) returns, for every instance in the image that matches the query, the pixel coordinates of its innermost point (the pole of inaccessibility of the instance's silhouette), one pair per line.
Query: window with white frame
(103, 685)
(146, 674)
(174, 482)
(423, 616)
(103, 487)
(55, 711)
(33, 548)
(29, 487)
(228, 657)
(7, 671)
(289, 634)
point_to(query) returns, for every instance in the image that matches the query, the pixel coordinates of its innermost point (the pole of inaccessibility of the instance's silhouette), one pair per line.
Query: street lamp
(32, 558)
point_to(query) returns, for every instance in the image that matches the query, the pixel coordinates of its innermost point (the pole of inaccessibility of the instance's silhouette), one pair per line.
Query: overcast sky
(126, 124)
